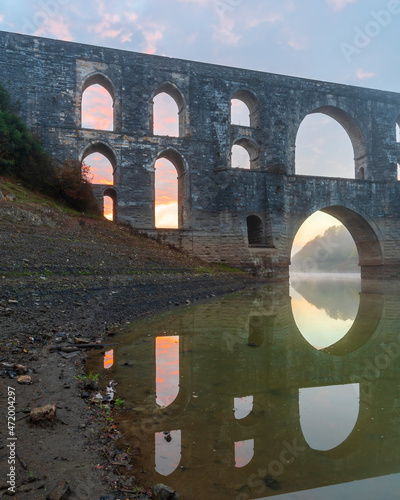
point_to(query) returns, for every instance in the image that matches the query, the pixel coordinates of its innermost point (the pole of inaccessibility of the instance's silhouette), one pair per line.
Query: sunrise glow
(167, 370)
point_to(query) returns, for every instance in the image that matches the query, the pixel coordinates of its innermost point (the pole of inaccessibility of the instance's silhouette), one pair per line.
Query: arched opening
(97, 103)
(258, 233)
(168, 111)
(170, 191)
(240, 113)
(328, 415)
(244, 109)
(240, 157)
(244, 154)
(329, 143)
(255, 230)
(398, 130)
(100, 168)
(110, 204)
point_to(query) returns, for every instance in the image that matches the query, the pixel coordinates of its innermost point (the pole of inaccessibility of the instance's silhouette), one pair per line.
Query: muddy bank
(63, 277)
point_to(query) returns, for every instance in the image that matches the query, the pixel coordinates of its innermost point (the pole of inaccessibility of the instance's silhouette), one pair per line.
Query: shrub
(23, 157)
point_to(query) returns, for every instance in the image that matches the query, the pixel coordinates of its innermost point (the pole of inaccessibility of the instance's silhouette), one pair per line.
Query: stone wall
(49, 77)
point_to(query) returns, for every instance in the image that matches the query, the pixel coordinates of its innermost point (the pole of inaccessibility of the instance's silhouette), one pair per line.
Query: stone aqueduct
(247, 218)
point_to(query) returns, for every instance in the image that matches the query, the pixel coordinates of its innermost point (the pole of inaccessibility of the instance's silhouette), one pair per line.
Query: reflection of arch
(105, 82)
(102, 148)
(348, 122)
(112, 193)
(181, 166)
(251, 148)
(364, 327)
(173, 91)
(319, 409)
(251, 102)
(260, 326)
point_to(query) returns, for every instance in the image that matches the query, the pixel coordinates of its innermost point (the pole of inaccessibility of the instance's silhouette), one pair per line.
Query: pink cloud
(362, 74)
(1, 18)
(55, 26)
(152, 36)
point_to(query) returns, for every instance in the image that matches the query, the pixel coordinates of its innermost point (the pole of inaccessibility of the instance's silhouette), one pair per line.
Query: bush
(22, 156)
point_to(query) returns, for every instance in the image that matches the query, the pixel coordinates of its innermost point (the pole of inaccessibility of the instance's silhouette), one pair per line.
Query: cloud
(225, 31)
(55, 26)
(152, 34)
(270, 18)
(339, 4)
(298, 42)
(1, 18)
(362, 74)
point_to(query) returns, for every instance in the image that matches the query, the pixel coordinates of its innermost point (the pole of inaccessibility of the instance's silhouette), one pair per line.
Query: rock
(43, 414)
(80, 340)
(61, 491)
(24, 379)
(162, 492)
(21, 369)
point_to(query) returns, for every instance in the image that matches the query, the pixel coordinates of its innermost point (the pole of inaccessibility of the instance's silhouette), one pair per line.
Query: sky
(345, 41)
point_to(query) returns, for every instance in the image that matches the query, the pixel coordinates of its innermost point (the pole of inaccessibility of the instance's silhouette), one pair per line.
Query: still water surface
(289, 392)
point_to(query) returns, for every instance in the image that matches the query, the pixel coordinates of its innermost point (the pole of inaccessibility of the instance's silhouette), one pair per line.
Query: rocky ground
(67, 279)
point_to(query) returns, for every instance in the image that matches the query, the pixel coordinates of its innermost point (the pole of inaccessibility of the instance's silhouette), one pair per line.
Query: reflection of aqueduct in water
(273, 374)
(244, 217)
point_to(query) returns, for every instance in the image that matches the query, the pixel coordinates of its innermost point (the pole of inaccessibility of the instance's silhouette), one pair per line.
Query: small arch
(99, 91)
(244, 154)
(181, 200)
(99, 79)
(345, 118)
(259, 234)
(398, 130)
(110, 212)
(255, 230)
(168, 119)
(102, 148)
(251, 103)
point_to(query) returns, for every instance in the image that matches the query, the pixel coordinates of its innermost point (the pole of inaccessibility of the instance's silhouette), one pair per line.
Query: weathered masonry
(247, 218)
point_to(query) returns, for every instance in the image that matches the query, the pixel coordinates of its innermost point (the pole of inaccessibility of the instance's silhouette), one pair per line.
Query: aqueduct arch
(216, 199)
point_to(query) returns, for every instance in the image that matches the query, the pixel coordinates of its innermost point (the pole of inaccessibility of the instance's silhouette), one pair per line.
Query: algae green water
(289, 392)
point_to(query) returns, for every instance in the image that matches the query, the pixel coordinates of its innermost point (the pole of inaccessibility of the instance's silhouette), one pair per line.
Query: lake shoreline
(72, 279)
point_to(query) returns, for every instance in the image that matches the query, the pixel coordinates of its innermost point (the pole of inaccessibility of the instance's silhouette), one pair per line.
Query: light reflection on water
(245, 396)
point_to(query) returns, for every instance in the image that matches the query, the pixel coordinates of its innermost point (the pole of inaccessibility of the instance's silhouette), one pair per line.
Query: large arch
(175, 93)
(181, 167)
(365, 236)
(251, 102)
(345, 118)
